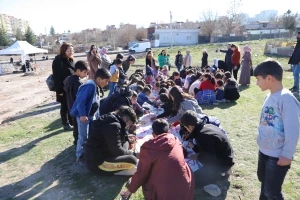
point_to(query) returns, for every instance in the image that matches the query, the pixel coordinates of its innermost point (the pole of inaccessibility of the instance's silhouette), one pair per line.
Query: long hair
(91, 49)
(178, 97)
(210, 78)
(162, 51)
(63, 48)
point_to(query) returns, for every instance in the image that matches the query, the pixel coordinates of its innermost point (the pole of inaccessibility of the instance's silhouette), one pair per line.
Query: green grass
(36, 159)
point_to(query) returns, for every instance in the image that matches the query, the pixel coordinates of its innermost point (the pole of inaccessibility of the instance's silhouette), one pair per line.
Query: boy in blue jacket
(278, 130)
(144, 97)
(86, 106)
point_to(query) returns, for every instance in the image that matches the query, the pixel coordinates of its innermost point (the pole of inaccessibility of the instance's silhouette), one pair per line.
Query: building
(178, 37)
(11, 24)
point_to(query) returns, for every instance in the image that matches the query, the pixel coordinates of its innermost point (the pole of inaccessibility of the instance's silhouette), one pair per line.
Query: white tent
(22, 48)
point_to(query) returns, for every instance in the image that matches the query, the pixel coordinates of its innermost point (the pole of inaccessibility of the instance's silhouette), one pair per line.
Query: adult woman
(105, 59)
(178, 61)
(62, 67)
(94, 61)
(235, 59)
(150, 60)
(245, 72)
(204, 59)
(128, 62)
(163, 59)
(182, 102)
(187, 59)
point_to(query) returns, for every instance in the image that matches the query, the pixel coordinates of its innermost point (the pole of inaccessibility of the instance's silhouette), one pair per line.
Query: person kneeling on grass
(162, 171)
(211, 146)
(107, 147)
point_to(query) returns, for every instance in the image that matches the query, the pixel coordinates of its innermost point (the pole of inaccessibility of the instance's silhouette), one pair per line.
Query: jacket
(114, 71)
(178, 60)
(163, 60)
(142, 98)
(295, 58)
(223, 65)
(84, 99)
(231, 91)
(187, 60)
(204, 60)
(186, 104)
(150, 63)
(162, 171)
(126, 65)
(106, 138)
(61, 69)
(235, 58)
(168, 109)
(71, 85)
(211, 139)
(228, 55)
(122, 76)
(94, 63)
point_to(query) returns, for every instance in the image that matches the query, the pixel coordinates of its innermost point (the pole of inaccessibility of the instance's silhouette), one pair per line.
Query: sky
(76, 15)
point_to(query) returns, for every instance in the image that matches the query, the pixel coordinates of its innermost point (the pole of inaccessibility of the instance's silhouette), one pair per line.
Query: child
(144, 97)
(114, 71)
(139, 89)
(139, 110)
(218, 76)
(187, 81)
(86, 106)
(155, 71)
(71, 85)
(206, 93)
(176, 78)
(231, 90)
(278, 131)
(149, 75)
(165, 71)
(167, 106)
(220, 91)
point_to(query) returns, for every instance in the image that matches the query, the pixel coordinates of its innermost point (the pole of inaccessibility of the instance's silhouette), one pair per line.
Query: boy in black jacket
(71, 85)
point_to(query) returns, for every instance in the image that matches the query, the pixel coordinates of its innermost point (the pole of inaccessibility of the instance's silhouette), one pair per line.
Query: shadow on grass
(32, 113)
(242, 88)
(15, 152)
(221, 106)
(57, 179)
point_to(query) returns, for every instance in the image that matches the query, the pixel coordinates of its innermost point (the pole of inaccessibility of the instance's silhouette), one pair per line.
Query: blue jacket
(142, 98)
(84, 99)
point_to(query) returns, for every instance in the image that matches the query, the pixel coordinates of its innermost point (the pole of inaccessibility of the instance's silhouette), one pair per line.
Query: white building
(179, 37)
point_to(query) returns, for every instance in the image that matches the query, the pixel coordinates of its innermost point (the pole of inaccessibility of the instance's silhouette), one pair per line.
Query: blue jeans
(83, 128)
(112, 86)
(178, 67)
(296, 72)
(271, 177)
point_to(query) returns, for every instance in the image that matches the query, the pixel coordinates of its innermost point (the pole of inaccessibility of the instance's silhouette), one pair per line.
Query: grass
(36, 159)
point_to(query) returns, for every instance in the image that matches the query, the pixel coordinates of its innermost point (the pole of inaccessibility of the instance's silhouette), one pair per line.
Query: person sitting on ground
(139, 89)
(144, 97)
(176, 78)
(195, 84)
(71, 85)
(165, 71)
(186, 84)
(87, 106)
(167, 106)
(162, 168)
(107, 147)
(231, 90)
(206, 93)
(211, 146)
(220, 65)
(139, 110)
(220, 91)
(182, 102)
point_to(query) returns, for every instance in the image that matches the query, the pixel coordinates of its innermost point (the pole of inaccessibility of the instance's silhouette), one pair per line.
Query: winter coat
(163, 60)
(162, 171)
(94, 62)
(107, 136)
(204, 60)
(187, 60)
(295, 58)
(178, 60)
(61, 69)
(235, 58)
(71, 85)
(228, 55)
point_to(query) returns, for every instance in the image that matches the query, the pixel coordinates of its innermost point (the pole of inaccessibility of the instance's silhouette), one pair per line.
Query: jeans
(178, 67)
(296, 72)
(83, 128)
(235, 72)
(271, 177)
(112, 86)
(75, 130)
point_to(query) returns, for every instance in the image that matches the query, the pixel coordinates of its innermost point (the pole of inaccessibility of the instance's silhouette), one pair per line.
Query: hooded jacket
(107, 136)
(162, 171)
(71, 85)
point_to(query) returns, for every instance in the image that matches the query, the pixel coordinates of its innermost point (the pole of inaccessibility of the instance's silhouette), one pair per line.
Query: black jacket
(107, 136)
(295, 58)
(125, 65)
(71, 85)
(228, 55)
(231, 91)
(178, 60)
(148, 62)
(222, 65)
(204, 60)
(211, 139)
(122, 76)
(61, 69)
(168, 110)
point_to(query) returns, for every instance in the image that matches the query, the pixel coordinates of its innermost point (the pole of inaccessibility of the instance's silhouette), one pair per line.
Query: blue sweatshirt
(86, 96)
(142, 98)
(278, 131)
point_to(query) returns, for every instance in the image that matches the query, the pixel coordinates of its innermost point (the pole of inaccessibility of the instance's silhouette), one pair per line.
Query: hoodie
(71, 85)
(161, 158)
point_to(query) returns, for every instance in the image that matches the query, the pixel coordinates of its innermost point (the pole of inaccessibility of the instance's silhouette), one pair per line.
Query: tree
(19, 34)
(141, 34)
(289, 21)
(4, 40)
(29, 36)
(209, 23)
(52, 31)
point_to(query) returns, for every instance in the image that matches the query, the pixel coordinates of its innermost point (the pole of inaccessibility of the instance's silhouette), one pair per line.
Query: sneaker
(68, 127)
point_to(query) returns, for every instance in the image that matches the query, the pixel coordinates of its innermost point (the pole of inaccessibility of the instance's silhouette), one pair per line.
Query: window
(189, 37)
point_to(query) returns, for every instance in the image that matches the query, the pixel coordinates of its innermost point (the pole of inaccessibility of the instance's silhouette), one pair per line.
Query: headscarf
(215, 62)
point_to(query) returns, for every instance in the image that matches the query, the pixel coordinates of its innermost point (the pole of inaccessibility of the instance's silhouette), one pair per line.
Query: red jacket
(162, 171)
(207, 85)
(235, 58)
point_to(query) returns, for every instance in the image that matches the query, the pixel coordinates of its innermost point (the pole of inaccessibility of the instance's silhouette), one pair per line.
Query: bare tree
(141, 34)
(289, 21)
(209, 23)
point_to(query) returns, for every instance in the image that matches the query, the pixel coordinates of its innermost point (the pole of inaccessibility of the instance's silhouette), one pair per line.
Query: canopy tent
(22, 48)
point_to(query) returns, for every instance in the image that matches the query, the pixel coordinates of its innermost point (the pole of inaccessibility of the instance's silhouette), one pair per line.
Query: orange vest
(115, 77)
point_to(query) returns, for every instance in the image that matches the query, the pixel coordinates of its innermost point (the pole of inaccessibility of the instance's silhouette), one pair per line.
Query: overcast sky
(76, 15)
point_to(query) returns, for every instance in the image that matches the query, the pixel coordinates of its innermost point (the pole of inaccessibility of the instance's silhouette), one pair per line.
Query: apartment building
(11, 24)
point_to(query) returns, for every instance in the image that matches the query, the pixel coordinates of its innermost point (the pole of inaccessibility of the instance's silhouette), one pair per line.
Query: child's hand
(283, 161)
(191, 145)
(83, 119)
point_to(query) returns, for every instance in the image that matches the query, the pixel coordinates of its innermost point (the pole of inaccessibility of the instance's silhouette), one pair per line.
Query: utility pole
(171, 32)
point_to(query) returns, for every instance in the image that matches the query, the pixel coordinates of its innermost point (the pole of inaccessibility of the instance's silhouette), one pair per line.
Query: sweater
(278, 131)
(295, 58)
(71, 85)
(207, 85)
(94, 63)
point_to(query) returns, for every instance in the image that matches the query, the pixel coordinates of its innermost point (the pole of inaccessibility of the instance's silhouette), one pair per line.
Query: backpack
(50, 83)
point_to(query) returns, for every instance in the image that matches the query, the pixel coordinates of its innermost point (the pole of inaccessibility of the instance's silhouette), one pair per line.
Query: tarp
(22, 48)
